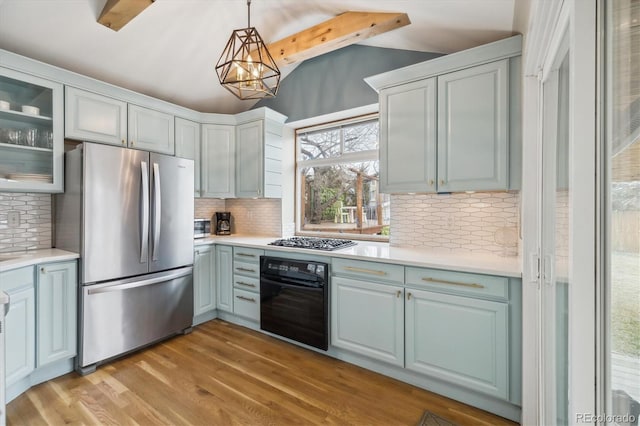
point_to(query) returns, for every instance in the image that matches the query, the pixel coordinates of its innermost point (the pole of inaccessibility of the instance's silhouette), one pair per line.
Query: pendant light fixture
(246, 67)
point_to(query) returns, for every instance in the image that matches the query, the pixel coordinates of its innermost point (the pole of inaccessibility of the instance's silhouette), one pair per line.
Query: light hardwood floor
(223, 374)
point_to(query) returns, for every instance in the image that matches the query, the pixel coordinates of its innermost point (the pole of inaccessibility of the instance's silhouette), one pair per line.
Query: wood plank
(343, 30)
(226, 374)
(117, 13)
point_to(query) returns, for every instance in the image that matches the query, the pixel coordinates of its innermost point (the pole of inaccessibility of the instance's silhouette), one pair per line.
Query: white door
(620, 249)
(556, 243)
(559, 222)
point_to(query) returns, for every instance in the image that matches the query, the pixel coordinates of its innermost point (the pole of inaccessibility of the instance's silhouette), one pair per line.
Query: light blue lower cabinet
(20, 328)
(368, 318)
(224, 278)
(57, 293)
(204, 289)
(458, 339)
(41, 326)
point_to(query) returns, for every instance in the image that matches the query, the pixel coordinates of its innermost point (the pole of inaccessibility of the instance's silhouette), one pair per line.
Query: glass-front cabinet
(31, 138)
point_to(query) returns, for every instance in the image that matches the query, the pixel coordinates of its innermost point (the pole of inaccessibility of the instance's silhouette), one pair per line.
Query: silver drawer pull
(246, 254)
(246, 284)
(248, 299)
(472, 285)
(364, 271)
(245, 270)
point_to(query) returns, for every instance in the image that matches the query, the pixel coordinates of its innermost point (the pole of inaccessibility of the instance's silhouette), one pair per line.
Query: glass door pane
(26, 131)
(622, 195)
(556, 206)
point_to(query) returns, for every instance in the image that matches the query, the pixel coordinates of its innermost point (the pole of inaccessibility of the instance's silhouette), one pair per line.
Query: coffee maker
(223, 223)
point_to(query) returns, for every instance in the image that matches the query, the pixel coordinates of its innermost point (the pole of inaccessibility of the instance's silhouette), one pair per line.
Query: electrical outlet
(13, 219)
(450, 223)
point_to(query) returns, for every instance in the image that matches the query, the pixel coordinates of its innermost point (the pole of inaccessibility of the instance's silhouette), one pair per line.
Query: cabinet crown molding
(497, 50)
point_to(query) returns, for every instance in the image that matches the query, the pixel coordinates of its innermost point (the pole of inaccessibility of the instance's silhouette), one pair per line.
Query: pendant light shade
(246, 67)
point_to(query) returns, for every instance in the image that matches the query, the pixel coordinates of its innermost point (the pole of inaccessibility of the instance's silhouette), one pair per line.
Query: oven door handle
(287, 285)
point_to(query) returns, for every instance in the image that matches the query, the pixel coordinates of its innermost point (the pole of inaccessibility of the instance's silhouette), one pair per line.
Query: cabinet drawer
(463, 283)
(247, 269)
(248, 255)
(370, 271)
(247, 283)
(246, 304)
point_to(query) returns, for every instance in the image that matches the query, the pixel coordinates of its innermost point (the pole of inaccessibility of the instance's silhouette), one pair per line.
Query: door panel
(473, 124)
(471, 350)
(171, 232)
(114, 243)
(556, 238)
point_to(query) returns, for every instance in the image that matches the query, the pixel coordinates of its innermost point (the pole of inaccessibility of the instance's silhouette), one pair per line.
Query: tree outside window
(338, 173)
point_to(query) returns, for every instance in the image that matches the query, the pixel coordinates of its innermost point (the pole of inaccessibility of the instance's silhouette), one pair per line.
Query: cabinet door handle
(7, 306)
(408, 296)
(364, 271)
(248, 299)
(246, 254)
(441, 181)
(245, 269)
(197, 251)
(431, 182)
(44, 271)
(399, 293)
(246, 284)
(123, 142)
(472, 285)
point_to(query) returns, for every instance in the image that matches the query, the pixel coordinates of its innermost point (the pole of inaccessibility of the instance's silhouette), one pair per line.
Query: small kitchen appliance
(223, 223)
(201, 228)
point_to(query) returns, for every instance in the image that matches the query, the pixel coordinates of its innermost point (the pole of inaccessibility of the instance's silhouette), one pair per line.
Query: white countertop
(19, 259)
(382, 252)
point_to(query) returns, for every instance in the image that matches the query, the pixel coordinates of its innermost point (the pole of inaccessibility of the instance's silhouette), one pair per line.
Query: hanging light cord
(248, 13)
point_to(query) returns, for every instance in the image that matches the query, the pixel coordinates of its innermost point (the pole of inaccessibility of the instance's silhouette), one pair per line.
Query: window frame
(349, 157)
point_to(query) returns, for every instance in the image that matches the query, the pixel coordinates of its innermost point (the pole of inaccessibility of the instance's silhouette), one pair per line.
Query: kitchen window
(337, 181)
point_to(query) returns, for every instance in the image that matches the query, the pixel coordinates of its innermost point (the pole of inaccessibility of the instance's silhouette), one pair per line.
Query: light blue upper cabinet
(259, 159)
(473, 128)
(151, 130)
(56, 293)
(94, 118)
(31, 133)
(188, 146)
(461, 133)
(249, 163)
(218, 161)
(408, 137)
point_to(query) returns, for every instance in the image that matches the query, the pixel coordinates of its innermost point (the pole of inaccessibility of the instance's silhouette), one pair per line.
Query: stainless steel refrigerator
(129, 214)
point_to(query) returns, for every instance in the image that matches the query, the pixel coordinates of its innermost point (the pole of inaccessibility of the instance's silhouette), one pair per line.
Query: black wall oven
(294, 300)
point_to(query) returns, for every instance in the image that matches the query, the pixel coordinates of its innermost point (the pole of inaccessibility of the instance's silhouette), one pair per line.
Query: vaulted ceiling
(169, 51)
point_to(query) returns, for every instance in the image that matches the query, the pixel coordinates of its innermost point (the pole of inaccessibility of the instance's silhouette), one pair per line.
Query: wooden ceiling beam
(117, 13)
(343, 30)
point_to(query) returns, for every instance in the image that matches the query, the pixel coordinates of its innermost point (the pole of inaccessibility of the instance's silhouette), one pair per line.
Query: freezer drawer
(124, 315)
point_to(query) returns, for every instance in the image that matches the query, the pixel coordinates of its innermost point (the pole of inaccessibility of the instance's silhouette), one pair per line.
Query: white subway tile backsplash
(248, 216)
(35, 229)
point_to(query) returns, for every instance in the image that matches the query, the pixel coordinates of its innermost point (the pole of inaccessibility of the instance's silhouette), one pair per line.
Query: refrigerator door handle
(157, 210)
(142, 283)
(144, 204)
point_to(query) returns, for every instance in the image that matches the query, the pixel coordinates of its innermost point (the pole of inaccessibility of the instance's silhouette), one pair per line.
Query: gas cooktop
(313, 243)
